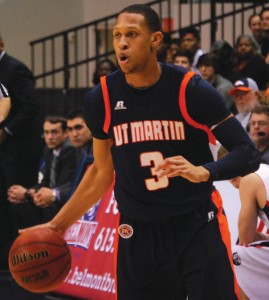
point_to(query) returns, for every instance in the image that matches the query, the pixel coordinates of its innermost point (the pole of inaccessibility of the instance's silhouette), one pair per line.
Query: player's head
(151, 18)
(136, 37)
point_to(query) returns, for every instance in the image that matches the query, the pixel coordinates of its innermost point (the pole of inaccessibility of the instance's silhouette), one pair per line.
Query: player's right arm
(93, 185)
(252, 195)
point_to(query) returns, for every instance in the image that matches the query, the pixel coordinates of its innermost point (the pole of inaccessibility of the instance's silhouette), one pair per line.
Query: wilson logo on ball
(26, 257)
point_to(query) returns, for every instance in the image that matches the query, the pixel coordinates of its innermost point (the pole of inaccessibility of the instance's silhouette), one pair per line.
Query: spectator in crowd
(248, 62)
(5, 103)
(251, 254)
(190, 41)
(81, 138)
(20, 142)
(207, 66)
(254, 23)
(224, 52)
(104, 67)
(247, 97)
(163, 47)
(42, 201)
(182, 58)
(259, 130)
(264, 14)
(173, 48)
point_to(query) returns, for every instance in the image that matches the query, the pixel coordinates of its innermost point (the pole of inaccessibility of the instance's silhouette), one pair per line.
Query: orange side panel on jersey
(184, 111)
(107, 104)
(116, 243)
(225, 233)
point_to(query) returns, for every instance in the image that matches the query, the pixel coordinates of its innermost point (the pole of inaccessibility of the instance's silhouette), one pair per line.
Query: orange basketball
(39, 260)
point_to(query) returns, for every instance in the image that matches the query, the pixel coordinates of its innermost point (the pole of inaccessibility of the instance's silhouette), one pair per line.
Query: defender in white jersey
(251, 254)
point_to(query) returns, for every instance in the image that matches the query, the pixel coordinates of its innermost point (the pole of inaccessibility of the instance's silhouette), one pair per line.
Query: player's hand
(179, 166)
(48, 225)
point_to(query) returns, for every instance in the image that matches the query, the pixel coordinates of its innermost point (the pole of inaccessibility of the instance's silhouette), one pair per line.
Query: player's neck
(145, 79)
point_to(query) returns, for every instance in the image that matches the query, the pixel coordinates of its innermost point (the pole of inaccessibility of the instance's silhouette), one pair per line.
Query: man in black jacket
(19, 141)
(43, 200)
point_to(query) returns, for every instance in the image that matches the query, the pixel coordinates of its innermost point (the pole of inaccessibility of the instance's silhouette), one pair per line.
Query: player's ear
(156, 38)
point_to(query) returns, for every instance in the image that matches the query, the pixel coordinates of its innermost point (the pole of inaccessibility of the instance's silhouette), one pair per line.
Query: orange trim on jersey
(107, 104)
(183, 108)
(225, 233)
(116, 244)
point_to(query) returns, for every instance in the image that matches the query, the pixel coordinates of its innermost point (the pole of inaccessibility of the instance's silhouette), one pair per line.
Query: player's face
(235, 182)
(132, 42)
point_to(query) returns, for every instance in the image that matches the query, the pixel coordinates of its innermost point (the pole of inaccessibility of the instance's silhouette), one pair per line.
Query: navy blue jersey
(147, 125)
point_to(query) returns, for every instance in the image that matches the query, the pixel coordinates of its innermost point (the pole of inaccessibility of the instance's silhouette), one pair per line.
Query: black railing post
(213, 23)
(66, 62)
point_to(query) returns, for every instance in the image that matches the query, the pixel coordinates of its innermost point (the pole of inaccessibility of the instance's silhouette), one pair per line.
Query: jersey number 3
(151, 159)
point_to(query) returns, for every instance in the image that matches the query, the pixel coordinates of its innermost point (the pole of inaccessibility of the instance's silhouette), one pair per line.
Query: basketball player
(151, 124)
(251, 254)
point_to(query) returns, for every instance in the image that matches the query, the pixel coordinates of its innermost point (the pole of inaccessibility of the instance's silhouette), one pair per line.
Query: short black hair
(75, 113)
(151, 17)
(184, 53)
(263, 10)
(55, 120)
(209, 60)
(192, 30)
(251, 17)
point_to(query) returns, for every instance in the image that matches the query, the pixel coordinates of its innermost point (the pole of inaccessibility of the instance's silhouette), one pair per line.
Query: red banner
(91, 241)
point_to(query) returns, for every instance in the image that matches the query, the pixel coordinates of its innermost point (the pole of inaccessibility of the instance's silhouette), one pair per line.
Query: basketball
(39, 260)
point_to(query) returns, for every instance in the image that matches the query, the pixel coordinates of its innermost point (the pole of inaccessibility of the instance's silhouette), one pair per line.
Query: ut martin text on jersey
(154, 130)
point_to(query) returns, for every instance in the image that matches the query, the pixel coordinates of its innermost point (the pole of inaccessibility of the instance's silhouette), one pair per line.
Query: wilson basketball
(39, 260)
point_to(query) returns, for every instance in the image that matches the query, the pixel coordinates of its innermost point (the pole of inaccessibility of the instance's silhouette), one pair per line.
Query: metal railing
(68, 59)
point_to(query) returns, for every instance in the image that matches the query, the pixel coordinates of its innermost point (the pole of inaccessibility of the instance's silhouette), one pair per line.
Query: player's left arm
(243, 158)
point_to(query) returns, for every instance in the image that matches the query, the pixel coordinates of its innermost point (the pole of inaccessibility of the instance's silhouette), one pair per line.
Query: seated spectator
(163, 47)
(190, 41)
(182, 58)
(259, 130)
(81, 138)
(5, 103)
(44, 200)
(264, 14)
(247, 97)
(254, 24)
(173, 48)
(248, 62)
(207, 66)
(104, 67)
(224, 52)
(251, 255)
